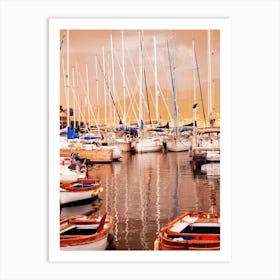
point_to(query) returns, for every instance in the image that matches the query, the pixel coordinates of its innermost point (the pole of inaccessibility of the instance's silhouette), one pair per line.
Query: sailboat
(206, 141)
(176, 143)
(144, 143)
(73, 143)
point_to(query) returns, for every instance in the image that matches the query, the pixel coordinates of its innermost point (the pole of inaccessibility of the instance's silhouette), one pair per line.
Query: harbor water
(143, 192)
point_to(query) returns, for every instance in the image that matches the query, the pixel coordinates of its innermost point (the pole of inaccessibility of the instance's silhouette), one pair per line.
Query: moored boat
(206, 147)
(178, 145)
(191, 231)
(97, 154)
(83, 232)
(79, 190)
(145, 145)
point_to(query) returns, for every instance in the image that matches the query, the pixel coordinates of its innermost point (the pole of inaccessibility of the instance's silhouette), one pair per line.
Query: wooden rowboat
(83, 232)
(79, 190)
(191, 231)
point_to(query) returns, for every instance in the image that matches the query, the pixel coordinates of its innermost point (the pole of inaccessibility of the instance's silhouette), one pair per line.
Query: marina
(142, 158)
(145, 191)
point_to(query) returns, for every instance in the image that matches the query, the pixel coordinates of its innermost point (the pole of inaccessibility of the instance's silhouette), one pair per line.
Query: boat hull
(178, 146)
(69, 197)
(147, 145)
(82, 189)
(97, 155)
(95, 241)
(97, 245)
(191, 231)
(67, 175)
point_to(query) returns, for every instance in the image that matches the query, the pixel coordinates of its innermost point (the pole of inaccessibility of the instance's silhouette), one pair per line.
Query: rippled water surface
(143, 192)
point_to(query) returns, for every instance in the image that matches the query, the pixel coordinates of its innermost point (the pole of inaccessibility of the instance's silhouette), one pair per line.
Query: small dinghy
(191, 231)
(80, 190)
(84, 232)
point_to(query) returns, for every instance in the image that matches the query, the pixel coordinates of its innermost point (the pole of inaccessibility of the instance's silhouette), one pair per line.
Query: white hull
(64, 178)
(75, 233)
(96, 245)
(147, 145)
(178, 145)
(68, 196)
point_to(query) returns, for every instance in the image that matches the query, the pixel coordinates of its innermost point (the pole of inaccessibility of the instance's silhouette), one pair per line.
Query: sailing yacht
(176, 143)
(206, 141)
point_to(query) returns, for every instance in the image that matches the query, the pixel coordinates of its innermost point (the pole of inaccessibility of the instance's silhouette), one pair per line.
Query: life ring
(66, 160)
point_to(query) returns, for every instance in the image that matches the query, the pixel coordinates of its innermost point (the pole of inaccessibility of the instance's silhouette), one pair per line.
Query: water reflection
(145, 191)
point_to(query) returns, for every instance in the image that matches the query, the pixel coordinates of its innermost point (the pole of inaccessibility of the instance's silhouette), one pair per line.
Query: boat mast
(210, 106)
(97, 93)
(200, 90)
(156, 82)
(67, 78)
(109, 80)
(140, 81)
(194, 97)
(174, 86)
(78, 97)
(87, 100)
(113, 77)
(74, 96)
(104, 87)
(172, 72)
(146, 87)
(123, 80)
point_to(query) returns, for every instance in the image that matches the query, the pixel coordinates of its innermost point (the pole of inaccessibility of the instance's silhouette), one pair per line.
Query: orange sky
(85, 45)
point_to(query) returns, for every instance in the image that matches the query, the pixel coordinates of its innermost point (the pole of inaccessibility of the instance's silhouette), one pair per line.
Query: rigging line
(146, 87)
(116, 96)
(160, 90)
(137, 80)
(106, 82)
(173, 88)
(200, 88)
(127, 85)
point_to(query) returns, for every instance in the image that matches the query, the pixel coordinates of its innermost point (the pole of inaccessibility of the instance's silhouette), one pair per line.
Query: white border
(224, 25)
(255, 185)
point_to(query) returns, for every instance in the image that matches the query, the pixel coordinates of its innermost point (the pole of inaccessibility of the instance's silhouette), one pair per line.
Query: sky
(102, 63)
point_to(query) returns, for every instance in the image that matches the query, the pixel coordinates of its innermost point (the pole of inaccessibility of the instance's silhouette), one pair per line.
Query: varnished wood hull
(172, 237)
(95, 155)
(96, 241)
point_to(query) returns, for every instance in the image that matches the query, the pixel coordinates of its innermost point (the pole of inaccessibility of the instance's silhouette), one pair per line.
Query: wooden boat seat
(204, 237)
(178, 227)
